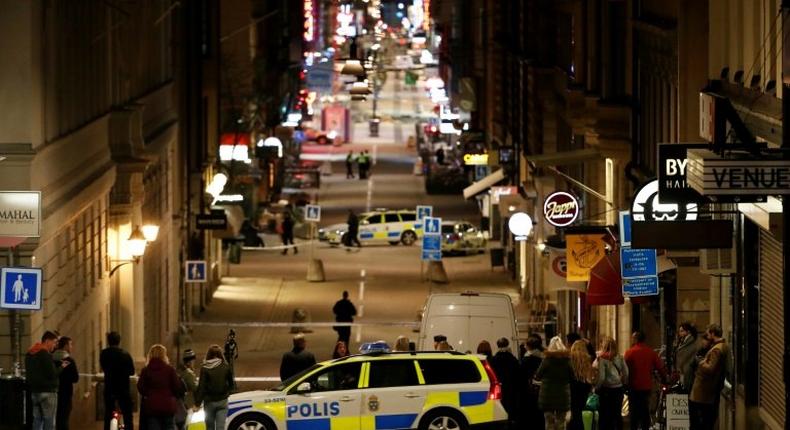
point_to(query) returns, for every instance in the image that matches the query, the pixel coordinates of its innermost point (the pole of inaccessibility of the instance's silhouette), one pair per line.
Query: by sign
(672, 168)
(476, 159)
(647, 207)
(20, 288)
(195, 271)
(312, 213)
(561, 209)
(20, 213)
(737, 176)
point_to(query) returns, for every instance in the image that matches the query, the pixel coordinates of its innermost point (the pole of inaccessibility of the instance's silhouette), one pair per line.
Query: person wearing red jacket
(160, 387)
(642, 362)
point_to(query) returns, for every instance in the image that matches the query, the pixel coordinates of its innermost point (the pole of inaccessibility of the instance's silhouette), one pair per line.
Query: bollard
(299, 316)
(315, 270)
(436, 272)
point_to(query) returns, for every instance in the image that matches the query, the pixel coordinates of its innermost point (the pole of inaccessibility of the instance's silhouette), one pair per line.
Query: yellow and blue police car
(444, 390)
(380, 226)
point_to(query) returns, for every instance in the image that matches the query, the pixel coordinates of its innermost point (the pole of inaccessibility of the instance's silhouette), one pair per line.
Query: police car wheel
(443, 420)
(408, 238)
(251, 422)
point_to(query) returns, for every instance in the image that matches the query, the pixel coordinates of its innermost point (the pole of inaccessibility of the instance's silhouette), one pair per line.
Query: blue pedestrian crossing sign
(20, 288)
(432, 247)
(424, 212)
(195, 271)
(312, 213)
(432, 225)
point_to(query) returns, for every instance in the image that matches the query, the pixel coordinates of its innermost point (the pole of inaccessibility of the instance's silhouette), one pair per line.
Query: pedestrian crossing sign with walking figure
(20, 288)
(195, 271)
(312, 213)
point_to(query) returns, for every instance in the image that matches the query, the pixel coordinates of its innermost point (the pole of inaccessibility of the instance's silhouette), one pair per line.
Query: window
(391, 217)
(392, 373)
(336, 378)
(374, 219)
(408, 216)
(448, 229)
(449, 371)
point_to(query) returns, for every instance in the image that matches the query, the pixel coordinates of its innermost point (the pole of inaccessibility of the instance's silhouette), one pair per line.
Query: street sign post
(432, 239)
(20, 288)
(195, 271)
(644, 286)
(637, 263)
(312, 213)
(625, 228)
(424, 212)
(432, 225)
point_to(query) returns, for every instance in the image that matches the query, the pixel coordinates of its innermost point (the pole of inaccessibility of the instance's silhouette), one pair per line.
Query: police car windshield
(284, 384)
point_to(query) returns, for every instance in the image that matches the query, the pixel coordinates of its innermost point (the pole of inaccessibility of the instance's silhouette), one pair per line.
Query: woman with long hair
(160, 387)
(401, 344)
(581, 384)
(612, 374)
(214, 387)
(484, 348)
(555, 374)
(341, 350)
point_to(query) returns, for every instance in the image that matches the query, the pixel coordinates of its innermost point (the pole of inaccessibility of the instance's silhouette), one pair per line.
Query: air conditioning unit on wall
(722, 261)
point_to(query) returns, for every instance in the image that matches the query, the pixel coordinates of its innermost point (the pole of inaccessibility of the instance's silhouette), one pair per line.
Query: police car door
(394, 397)
(332, 400)
(370, 228)
(393, 227)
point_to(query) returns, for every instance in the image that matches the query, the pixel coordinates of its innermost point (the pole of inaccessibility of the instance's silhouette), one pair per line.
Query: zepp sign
(646, 207)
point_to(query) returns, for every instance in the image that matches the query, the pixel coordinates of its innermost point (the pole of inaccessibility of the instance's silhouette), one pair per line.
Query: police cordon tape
(297, 245)
(256, 324)
(100, 376)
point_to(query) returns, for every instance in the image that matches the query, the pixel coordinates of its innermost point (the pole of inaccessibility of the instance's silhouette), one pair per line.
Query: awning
(484, 184)
(564, 158)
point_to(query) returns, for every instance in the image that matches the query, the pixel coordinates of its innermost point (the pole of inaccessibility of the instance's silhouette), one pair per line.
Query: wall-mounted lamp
(136, 244)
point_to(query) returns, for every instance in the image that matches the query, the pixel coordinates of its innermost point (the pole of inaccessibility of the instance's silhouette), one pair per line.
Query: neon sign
(309, 21)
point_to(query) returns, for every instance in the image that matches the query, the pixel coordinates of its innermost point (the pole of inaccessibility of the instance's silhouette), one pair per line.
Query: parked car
(380, 226)
(461, 237)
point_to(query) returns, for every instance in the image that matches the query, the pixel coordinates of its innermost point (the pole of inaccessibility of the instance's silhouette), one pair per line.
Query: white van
(467, 319)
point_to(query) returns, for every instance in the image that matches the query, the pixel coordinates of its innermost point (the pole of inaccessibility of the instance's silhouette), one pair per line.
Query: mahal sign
(737, 176)
(561, 209)
(20, 213)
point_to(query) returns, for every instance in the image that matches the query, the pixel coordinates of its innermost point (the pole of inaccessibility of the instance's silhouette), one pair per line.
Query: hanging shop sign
(737, 176)
(561, 209)
(647, 207)
(213, 221)
(672, 168)
(20, 213)
(583, 251)
(476, 159)
(555, 272)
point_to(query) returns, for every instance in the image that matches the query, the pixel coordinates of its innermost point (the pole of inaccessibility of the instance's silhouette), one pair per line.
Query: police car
(380, 226)
(378, 391)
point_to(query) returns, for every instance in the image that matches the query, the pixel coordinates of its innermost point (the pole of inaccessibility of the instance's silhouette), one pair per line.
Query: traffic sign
(20, 288)
(312, 213)
(432, 247)
(644, 286)
(195, 271)
(635, 263)
(625, 228)
(432, 225)
(424, 212)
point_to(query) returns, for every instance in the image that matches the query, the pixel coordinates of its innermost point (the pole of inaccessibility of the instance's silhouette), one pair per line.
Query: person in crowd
(160, 389)
(709, 381)
(250, 234)
(572, 337)
(686, 348)
(440, 156)
(704, 347)
(214, 388)
(531, 414)
(68, 377)
(350, 165)
(484, 348)
(401, 344)
(231, 348)
(42, 375)
(186, 372)
(352, 236)
(581, 384)
(439, 338)
(297, 359)
(522, 350)
(344, 311)
(341, 350)
(444, 346)
(642, 362)
(612, 376)
(362, 164)
(287, 232)
(555, 374)
(117, 366)
(505, 366)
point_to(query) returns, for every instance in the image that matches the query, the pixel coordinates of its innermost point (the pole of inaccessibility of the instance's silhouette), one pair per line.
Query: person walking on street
(581, 384)
(341, 350)
(117, 366)
(555, 374)
(685, 350)
(297, 359)
(709, 381)
(612, 376)
(68, 377)
(216, 383)
(231, 348)
(160, 389)
(344, 312)
(287, 234)
(350, 165)
(42, 374)
(642, 362)
(505, 366)
(530, 414)
(352, 236)
(186, 372)
(484, 348)
(362, 165)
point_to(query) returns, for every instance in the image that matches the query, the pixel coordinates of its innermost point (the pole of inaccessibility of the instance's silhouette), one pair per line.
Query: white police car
(380, 226)
(377, 391)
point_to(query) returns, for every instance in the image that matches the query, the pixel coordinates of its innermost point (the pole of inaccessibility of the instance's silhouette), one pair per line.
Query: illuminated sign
(309, 21)
(646, 207)
(561, 209)
(426, 7)
(476, 159)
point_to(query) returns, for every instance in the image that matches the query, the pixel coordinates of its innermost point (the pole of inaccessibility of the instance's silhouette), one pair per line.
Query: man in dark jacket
(117, 366)
(287, 233)
(352, 236)
(68, 377)
(505, 366)
(41, 374)
(297, 359)
(344, 312)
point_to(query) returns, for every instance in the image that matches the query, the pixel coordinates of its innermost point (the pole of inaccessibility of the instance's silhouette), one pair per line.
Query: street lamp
(136, 244)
